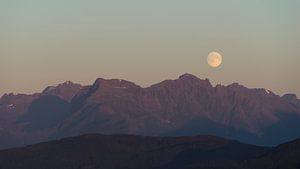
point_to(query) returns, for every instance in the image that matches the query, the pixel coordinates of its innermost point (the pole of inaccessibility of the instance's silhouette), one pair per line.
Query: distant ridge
(184, 106)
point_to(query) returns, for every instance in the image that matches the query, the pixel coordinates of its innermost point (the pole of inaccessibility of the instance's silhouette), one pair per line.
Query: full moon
(214, 59)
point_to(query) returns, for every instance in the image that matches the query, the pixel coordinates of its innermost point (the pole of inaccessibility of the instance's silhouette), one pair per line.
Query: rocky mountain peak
(66, 90)
(192, 79)
(113, 84)
(188, 76)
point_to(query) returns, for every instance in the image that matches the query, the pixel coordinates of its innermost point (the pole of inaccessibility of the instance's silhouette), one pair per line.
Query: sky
(46, 42)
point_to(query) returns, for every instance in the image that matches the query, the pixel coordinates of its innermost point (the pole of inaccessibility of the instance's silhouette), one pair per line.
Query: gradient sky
(45, 42)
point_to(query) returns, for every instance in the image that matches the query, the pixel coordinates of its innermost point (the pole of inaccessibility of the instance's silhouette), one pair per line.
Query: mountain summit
(65, 90)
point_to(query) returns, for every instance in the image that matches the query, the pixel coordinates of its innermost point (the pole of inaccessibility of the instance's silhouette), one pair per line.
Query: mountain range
(182, 107)
(95, 151)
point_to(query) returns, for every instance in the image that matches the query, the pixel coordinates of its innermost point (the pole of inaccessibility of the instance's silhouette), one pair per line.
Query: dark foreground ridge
(95, 151)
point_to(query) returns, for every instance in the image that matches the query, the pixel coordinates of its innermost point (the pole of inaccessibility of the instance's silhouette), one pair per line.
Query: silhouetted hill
(128, 151)
(94, 151)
